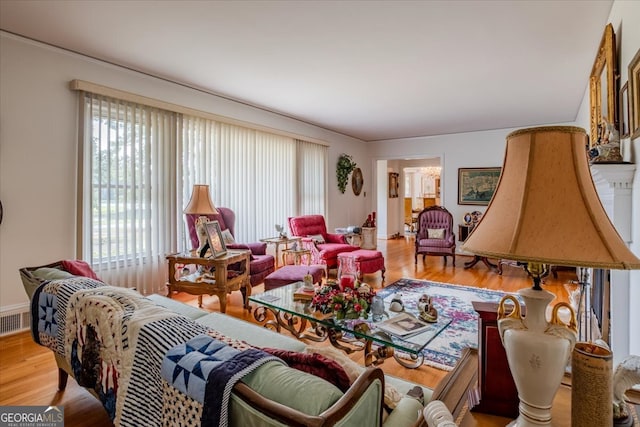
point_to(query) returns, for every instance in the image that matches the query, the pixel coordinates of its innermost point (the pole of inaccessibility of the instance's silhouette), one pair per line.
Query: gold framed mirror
(602, 86)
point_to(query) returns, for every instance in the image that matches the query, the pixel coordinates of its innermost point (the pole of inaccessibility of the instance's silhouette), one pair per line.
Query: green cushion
(296, 389)
(251, 333)
(189, 311)
(48, 273)
(41, 274)
(406, 413)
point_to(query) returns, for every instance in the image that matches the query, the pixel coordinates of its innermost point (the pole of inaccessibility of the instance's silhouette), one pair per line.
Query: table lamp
(200, 204)
(545, 211)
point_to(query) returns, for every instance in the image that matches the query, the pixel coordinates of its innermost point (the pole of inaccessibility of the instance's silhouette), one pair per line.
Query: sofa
(324, 246)
(273, 394)
(261, 264)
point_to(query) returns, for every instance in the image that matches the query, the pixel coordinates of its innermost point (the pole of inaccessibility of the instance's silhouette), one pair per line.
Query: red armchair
(324, 246)
(261, 263)
(435, 234)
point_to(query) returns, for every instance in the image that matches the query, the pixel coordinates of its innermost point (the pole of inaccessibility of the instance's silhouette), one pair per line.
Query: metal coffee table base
(302, 328)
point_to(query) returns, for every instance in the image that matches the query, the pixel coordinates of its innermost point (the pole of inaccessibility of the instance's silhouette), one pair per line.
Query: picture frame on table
(477, 185)
(393, 185)
(214, 237)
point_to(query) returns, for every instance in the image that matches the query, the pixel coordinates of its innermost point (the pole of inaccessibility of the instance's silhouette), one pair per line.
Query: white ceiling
(369, 69)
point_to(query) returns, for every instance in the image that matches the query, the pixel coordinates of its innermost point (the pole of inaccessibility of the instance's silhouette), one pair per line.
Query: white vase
(537, 352)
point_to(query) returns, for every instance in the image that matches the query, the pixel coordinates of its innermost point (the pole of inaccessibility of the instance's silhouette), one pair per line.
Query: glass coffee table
(277, 309)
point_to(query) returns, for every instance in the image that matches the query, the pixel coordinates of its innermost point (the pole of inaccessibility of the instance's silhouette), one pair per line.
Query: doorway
(420, 185)
(421, 190)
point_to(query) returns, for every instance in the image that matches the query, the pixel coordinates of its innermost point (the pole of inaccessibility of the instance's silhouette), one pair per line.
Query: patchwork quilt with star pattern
(115, 341)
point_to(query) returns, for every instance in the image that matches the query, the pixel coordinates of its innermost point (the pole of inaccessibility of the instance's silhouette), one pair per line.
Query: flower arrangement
(347, 303)
(346, 165)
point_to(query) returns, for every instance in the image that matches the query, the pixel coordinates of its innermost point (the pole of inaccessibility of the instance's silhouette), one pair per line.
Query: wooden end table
(298, 255)
(277, 241)
(220, 282)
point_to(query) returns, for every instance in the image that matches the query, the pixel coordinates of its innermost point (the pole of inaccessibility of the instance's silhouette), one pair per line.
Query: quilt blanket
(206, 370)
(115, 340)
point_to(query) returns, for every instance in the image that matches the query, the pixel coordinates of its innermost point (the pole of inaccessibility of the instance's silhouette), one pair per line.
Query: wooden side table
(369, 238)
(298, 255)
(221, 282)
(277, 241)
(464, 231)
(496, 392)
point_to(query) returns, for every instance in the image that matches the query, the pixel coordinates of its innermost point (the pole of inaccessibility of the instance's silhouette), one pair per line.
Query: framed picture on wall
(214, 237)
(393, 185)
(624, 111)
(477, 185)
(634, 96)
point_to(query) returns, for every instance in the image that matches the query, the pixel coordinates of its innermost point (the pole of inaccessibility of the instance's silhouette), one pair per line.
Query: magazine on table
(404, 325)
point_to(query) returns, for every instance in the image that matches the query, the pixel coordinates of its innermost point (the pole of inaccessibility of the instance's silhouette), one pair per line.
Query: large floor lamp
(545, 211)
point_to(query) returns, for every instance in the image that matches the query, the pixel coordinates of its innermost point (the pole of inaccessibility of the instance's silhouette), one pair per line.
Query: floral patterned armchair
(324, 246)
(434, 235)
(261, 264)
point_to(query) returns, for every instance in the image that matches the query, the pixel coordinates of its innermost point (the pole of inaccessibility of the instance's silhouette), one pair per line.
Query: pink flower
(337, 307)
(357, 308)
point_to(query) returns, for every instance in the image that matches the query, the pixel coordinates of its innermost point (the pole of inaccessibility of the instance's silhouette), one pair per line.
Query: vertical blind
(127, 200)
(139, 165)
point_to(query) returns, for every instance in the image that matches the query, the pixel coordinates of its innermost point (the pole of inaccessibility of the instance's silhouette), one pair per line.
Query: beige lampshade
(200, 202)
(546, 209)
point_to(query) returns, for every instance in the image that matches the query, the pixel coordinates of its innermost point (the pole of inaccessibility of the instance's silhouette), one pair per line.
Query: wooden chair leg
(62, 379)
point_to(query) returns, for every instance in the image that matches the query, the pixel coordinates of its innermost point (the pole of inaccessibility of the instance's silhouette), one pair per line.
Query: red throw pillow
(314, 364)
(79, 268)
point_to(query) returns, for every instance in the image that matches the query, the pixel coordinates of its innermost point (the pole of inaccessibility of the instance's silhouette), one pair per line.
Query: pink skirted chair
(434, 235)
(261, 264)
(324, 246)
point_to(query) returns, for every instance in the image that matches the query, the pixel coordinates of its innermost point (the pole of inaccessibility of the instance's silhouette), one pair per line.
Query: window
(139, 165)
(127, 200)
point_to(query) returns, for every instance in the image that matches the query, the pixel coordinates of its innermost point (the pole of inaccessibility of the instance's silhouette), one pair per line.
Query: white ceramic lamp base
(537, 352)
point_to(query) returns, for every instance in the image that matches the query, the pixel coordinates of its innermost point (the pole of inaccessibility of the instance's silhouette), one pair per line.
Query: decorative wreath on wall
(346, 165)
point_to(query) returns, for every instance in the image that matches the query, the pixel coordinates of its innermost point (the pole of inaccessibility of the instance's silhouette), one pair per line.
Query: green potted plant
(346, 165)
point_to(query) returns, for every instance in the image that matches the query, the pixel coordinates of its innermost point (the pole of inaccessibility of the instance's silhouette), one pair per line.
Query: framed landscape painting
(477, 185)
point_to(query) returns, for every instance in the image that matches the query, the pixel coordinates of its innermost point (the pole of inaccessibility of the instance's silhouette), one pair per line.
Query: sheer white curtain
(311, 177)
(249, 171)
(139, 165)
(128, 214)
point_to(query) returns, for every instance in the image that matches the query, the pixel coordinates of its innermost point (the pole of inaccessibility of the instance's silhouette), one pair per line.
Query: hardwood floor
(28, 374)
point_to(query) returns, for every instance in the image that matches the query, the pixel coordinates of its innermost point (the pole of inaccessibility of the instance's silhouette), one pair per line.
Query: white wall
(38, 124)
(464, 150)
(625, 18)
(625, 322)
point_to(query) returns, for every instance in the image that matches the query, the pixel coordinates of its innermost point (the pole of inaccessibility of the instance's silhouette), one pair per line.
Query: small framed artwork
(477, 185)
(634, 96)
(624, 111)
(393, 185)
(214, 237)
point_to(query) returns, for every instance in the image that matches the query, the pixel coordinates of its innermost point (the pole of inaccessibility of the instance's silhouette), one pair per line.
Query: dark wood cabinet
(496, 392)
(464, 231)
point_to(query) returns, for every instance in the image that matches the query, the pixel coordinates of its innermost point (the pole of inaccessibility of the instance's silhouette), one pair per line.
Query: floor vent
(14, 322)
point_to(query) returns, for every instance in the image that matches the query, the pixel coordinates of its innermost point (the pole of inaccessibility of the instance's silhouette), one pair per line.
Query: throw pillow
(317, 238)
(353, 369)
(228, 237)
(435, 233)
(315, 364)
(79, 268)
(290, 387)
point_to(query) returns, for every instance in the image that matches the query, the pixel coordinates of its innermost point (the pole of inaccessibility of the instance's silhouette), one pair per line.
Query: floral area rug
(453, 301)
